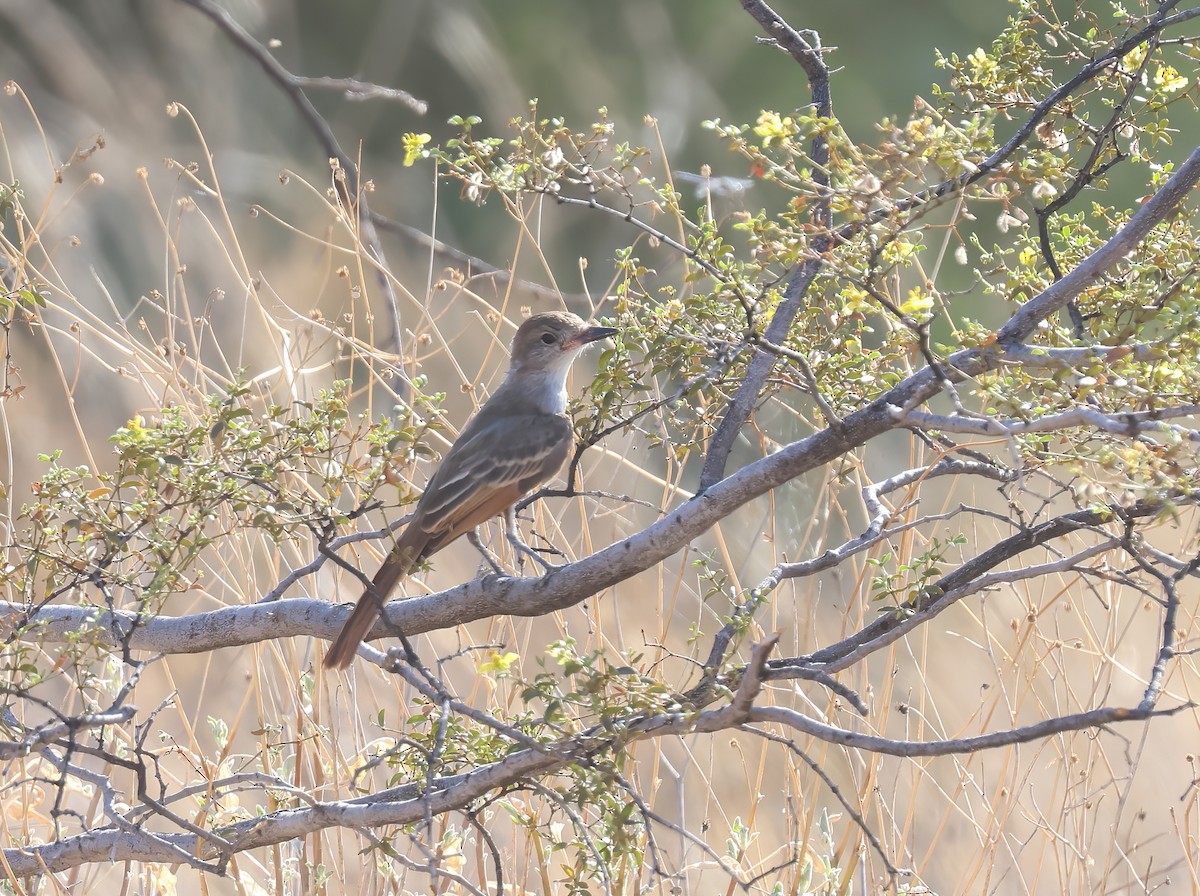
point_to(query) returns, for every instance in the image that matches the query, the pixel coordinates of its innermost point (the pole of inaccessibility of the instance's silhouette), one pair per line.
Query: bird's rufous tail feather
(345, 645)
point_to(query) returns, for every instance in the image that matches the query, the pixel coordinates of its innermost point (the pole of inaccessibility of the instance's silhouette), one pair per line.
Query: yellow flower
(1132, 60)
(918, 301)
(1169, 79)
(856, 300)
(497, 663)
(773, 127)
(981, 64)
(414, 147)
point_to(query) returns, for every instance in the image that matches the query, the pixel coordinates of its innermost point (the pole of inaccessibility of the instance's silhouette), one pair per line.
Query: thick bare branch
(47, 734)
(1126, 423)
(834, 656)
(1094, 718)
(1018, 329)
(805, 48)
(575, 582)
(412, 802)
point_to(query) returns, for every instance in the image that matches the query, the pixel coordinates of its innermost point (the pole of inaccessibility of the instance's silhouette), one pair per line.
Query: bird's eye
(548, 338)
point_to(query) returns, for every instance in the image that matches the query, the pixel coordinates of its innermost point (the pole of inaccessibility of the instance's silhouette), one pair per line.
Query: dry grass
(288, 297)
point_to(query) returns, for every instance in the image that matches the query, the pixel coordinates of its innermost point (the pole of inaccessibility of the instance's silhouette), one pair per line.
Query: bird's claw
(491, 559)
(523, 550)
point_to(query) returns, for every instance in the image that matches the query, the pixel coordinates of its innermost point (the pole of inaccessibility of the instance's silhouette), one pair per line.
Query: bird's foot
(491, 559)
(523, 550)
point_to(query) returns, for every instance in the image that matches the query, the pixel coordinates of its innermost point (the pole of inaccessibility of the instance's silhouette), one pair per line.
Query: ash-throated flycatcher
(517, 441)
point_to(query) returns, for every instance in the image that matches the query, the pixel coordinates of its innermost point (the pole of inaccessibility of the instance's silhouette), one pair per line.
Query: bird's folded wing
(489, 472)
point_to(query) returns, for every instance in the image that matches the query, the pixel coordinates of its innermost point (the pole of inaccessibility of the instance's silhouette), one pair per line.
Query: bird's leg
(492, 560)
(522, 549)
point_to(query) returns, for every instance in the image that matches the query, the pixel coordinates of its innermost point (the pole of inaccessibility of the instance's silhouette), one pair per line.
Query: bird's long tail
(341, 652)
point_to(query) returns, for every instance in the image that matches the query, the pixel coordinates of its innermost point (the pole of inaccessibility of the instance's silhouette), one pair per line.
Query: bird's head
(551, 340)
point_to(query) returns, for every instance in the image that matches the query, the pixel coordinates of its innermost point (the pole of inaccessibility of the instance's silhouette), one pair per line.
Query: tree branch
(410, 803)
(575, 582)
(805, 48)
(349, 185)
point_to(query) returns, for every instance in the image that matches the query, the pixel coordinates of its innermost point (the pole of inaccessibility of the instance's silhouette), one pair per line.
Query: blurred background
(133, 242)
(108, 70)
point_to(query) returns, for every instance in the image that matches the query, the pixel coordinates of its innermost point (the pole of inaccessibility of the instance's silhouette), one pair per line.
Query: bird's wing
(489, 472)
(481, 477)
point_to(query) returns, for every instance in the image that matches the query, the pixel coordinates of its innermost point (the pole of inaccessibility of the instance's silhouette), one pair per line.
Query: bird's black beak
(591, 334)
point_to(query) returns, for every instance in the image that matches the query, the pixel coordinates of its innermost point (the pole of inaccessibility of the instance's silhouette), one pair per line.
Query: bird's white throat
(546, 390)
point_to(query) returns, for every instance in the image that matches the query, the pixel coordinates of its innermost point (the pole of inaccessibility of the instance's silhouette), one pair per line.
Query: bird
(518, 440)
